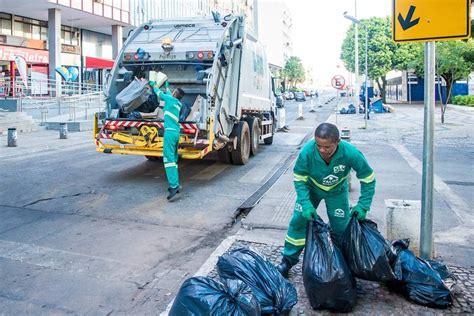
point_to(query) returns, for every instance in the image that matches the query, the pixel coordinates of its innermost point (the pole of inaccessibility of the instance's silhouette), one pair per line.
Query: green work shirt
(312, 173)
(171, 110)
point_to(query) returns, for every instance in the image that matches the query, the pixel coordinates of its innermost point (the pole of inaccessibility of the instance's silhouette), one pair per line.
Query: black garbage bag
(184, 112)
(275, 294)
(327, 279)
(367, 253)
(343, 111)
(150, 104)
(423, 282)
(205, 296)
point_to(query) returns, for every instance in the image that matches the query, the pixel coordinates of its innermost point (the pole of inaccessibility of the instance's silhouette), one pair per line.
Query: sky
(319, 29)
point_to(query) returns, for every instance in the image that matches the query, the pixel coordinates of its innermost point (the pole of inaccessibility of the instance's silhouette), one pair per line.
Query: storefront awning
(98, 63)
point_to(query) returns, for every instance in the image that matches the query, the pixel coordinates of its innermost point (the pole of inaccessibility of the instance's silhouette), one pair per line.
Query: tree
(383, 53)
(453, 62)
(294, 71)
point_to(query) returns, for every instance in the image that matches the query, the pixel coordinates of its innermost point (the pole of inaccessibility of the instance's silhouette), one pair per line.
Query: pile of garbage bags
(329, 271)
(350, 110)
(250, 285)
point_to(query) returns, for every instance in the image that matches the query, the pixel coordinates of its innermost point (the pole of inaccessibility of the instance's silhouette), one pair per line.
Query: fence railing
(47, 101)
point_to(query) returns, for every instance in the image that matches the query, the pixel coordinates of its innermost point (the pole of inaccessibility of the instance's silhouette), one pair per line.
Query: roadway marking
(210, 172)
(459, 234)
(261, 169)
(99, 267)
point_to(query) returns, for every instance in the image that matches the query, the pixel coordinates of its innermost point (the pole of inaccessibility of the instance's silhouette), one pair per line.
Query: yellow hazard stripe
(171, 115)
(170, 164)
(368, 179)
(295, 242)
(300, 178)
(326, 187)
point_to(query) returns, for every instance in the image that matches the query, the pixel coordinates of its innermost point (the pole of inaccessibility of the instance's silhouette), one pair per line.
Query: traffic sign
(338, 82)
(429, 20)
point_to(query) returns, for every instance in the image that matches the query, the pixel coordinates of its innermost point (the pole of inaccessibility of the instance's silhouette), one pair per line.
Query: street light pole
(356, 61)
(366, 76)
(356, 22)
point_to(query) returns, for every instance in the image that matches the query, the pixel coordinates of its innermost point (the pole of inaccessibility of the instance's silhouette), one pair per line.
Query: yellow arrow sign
(430, 20)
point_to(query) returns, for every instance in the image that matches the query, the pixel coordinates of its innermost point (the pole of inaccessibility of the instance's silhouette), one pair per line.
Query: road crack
(57, 198)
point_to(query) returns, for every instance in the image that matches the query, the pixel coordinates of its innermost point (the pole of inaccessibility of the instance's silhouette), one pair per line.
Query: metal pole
(426, 235)
(366, 76)
(409, 92)
(12, 137)
(356, 61)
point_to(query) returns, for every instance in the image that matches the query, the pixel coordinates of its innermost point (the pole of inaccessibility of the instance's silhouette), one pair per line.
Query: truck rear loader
(224, 73)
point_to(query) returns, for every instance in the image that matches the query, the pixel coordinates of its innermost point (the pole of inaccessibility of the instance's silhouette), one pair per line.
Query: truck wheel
(154, 158)
(224, 155)
(254, 134)
(240, 155)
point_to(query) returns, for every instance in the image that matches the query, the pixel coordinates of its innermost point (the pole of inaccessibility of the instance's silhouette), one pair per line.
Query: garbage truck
(222, 69)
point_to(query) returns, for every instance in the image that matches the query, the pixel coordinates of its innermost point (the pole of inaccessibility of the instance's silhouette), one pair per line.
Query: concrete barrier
(403, 221)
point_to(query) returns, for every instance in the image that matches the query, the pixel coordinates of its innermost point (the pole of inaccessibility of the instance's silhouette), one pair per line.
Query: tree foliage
(455, 59)
(294, 72)
(380, 49)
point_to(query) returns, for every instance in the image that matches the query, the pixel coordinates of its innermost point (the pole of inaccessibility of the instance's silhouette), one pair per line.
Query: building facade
(80, 35)
(275, 32)
(86, 34)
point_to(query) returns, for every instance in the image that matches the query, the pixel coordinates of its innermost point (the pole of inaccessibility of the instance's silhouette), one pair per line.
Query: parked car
(300, 96)
(307, 93)
(291, 95)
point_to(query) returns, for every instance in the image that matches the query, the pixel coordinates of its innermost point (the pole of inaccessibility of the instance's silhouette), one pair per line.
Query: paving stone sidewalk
(372, 298)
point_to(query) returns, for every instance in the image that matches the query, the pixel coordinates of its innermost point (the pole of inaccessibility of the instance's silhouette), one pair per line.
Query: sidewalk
(383, 144)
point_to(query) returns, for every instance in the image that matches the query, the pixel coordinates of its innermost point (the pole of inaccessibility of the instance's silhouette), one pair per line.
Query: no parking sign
(338, 82)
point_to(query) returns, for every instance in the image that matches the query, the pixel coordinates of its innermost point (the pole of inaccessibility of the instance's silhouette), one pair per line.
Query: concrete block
(403, 221)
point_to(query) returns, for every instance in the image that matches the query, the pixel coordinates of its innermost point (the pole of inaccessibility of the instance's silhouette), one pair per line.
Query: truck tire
(240, 155)
(254, 134)
(224, 155)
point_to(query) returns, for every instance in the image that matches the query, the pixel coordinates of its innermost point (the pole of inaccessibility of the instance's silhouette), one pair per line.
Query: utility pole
(426, 236)
(356, 44)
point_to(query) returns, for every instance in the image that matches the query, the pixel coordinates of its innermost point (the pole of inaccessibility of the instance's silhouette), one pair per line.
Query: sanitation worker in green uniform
(321, 173)
(171, 135)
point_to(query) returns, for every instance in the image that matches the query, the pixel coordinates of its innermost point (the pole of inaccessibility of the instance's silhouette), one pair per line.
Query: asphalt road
(83, 232)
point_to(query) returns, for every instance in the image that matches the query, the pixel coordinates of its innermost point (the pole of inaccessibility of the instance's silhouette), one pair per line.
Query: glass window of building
(30, 28)
(69, 35)
(5, 24)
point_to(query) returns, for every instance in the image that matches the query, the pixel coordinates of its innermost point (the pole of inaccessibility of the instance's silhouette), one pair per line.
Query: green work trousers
(338, 211)
(170, 157)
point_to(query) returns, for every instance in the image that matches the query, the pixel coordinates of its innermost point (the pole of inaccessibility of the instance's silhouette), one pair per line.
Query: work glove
(309, 213)
(359, 212)
(167, 84)
(152, 83)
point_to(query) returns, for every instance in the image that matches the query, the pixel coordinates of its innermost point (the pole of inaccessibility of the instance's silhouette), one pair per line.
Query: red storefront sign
(30, 55)
(98, 63)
